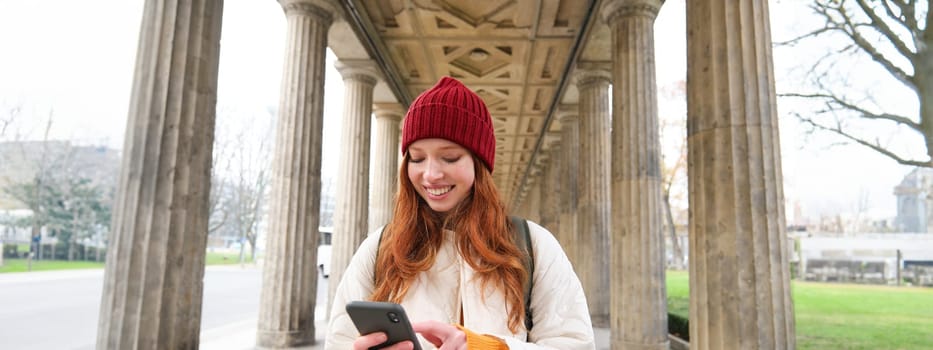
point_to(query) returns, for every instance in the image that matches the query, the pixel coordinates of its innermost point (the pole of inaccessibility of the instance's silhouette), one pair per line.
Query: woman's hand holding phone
(365, 342)
(382, 325)
(386, 326)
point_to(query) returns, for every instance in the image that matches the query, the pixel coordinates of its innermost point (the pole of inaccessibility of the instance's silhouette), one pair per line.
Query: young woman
(449, 257)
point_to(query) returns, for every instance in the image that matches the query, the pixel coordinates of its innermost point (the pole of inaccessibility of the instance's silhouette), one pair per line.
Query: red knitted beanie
(450, 111)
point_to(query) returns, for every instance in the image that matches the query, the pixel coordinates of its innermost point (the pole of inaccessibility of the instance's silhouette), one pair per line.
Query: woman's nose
(433, 170)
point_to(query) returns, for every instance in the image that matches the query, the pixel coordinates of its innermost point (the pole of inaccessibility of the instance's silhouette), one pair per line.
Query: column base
(266, 339)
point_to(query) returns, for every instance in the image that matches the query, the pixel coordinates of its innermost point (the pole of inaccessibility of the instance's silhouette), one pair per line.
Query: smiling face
(441, 171)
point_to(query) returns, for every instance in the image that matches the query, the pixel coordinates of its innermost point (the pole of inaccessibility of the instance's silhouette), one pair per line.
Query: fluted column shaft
(569, 169)
(531, 205)
(639, 298)
(155, 265)
(593, 203)
(286, 310)
(385, 163)
(522, 209)
(351, 215)
(550, 188)
(739, 276)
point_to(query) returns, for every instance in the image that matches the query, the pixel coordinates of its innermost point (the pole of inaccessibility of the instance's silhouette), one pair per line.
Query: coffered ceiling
(516, 54)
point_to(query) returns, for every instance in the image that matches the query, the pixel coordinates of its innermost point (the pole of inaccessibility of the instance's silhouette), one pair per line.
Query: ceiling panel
(512, 53)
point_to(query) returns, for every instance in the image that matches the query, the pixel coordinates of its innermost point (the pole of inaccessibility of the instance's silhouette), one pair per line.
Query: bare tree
(240, 183)
(216, 214)
(67, 198)
(6, 120)
(12, 112)
(250, 191)
(67, 187)
(668, 181)
(247, 202)
(39, 216)
(893, 34)
(672, 129)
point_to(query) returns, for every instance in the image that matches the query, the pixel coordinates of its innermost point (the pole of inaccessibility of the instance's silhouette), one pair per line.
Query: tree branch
(908, 11)
(864, 113)
(907, 19)
(837, 129)
(219, 223)
(850, 29)
(888, 10)
(927, 39)
(814, 33)
(881, 26)
(877, 56)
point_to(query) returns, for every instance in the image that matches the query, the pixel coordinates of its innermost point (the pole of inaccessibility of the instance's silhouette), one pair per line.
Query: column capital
(363, 70)
(324, 10)
(615, 9)
(568, 113)
(588, 73)
(389, 110)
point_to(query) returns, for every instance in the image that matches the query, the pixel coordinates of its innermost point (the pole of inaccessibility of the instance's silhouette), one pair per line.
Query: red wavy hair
(411, 240)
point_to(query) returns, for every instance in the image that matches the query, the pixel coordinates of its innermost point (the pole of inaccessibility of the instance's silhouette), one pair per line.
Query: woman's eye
(416, 160)
(451, 160)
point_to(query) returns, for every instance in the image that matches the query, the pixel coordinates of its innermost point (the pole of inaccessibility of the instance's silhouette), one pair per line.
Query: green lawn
(845, 316)
(19, 265)
(225, 258)
(678, 293)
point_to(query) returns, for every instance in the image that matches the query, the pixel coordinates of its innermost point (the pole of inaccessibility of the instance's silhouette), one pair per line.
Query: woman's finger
(442, 335)
(365, 342)
(402, 345)
(428, 330)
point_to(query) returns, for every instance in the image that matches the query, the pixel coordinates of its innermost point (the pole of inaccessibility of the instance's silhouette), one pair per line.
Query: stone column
(550, 191)
(739, 275)
(593, 203)
(639, 298)
(289, 285)
(351, 215)
(569, 169)
(155, 264)
(385, 162)
(520, 209)
(531, 205)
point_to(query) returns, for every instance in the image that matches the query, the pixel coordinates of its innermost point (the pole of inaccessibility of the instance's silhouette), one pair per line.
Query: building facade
(915, 202)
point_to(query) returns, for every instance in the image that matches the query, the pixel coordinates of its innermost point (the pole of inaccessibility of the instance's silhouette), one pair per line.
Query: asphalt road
(59, 309)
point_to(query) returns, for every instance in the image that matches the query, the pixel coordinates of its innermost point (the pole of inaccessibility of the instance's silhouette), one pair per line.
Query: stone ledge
(677, 343)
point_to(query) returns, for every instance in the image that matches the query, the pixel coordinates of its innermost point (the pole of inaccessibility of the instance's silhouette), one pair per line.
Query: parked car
(323, 259)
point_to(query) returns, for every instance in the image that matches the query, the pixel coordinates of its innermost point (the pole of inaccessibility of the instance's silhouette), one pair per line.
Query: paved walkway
(239, 335)
(242, 336)
(26, 277)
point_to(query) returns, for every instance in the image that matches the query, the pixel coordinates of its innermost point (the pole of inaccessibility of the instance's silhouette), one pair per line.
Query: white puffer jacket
(561, 319)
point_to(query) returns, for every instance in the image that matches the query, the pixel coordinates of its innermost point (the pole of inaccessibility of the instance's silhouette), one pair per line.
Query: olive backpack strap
(523, 241)
(376, 259)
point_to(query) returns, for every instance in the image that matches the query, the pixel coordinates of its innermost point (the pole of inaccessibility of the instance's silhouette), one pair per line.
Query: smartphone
(389, 318)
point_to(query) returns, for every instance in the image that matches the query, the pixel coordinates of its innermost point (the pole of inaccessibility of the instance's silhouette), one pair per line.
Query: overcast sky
(74, 60)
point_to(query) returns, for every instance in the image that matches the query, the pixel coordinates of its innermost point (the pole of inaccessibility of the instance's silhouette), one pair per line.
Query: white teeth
(439, 191)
